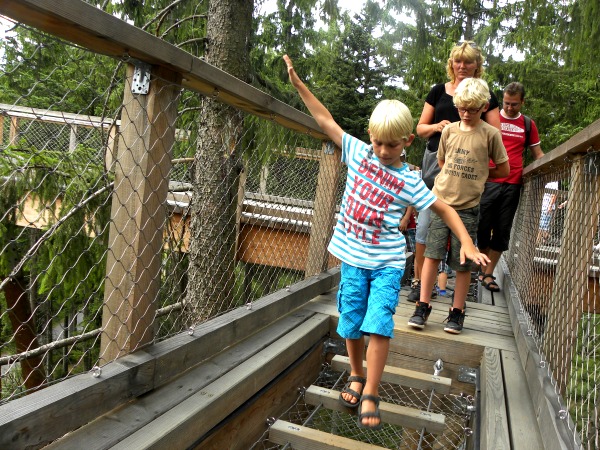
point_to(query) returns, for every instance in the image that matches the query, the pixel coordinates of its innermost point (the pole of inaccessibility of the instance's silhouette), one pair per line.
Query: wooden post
(138, 214)
(72, 138)
(571, 282)
(324, 209)
(14, 130)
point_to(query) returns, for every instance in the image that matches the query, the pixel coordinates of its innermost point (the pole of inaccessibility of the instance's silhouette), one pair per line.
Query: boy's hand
(471, 252)
(294, 79)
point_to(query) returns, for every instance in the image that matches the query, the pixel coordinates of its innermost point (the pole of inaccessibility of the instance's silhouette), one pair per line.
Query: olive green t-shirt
(466, 156)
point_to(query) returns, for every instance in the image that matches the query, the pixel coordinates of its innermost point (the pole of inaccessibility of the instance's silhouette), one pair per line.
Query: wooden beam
(402, 377)
(109, 429)
(398, 415)
(138, 214)
(88, 26)
(324, 209)
(245, 428)
(183, 424)
(587, 138)
(283, 432)
(494, 423)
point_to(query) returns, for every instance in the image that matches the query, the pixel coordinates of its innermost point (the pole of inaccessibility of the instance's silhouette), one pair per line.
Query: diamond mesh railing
(125, 219)
(100, 182)
(553, 261)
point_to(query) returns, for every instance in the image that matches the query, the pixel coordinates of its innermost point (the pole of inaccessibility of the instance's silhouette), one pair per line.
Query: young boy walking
(367, 239)
(464, 152)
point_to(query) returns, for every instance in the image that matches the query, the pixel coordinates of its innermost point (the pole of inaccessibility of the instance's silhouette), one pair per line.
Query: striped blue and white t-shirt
(366, 234)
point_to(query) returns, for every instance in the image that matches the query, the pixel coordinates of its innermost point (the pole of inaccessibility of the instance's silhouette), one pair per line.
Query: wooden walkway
(216, 388)
(507, 419)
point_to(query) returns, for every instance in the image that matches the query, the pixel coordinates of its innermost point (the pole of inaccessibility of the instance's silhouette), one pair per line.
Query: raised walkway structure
(261, 361)
(143, 371)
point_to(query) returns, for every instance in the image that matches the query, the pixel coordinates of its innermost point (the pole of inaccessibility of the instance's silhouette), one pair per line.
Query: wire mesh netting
(115, 205)
(553, 261)
(454, 408)
(94, 196)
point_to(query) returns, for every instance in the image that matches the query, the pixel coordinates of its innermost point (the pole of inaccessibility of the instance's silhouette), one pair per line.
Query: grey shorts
(423, 225)
(439, 234)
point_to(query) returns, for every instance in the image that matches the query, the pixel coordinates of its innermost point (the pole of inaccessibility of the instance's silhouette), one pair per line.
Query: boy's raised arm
(316, 108)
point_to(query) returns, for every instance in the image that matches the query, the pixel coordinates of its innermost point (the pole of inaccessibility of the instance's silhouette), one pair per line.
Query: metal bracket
(329, 148)
(467, 374)
(141, 78)
(335, 346)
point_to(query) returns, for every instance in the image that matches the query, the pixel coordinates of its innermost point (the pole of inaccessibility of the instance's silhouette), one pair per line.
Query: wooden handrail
(88, 26)
(582, 142)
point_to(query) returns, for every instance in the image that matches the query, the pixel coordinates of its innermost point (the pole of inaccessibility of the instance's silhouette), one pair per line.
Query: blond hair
(465, 51)
(391, 120)
(471, 93)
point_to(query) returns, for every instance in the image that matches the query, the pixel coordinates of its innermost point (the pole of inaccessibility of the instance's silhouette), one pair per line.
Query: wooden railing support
(324, 209)
(571, 282)
(138, 214)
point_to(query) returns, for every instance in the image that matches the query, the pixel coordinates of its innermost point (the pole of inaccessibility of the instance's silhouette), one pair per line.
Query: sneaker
(415, 291)
(442, 292)
(420, 316)
(455, 320)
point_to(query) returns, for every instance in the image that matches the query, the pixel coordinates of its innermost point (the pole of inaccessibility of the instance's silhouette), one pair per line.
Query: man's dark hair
(515, 88)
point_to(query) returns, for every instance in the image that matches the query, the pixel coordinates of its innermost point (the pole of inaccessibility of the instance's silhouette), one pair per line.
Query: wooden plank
(523, 425)
(402, 377)
(301, 438)
(140, 372)
(245, 427)
(179, 353)
(43, 416)
(103, 33)
(451, 370)
(494, 423)
(402, 416)
(182, 425)
(107, 430)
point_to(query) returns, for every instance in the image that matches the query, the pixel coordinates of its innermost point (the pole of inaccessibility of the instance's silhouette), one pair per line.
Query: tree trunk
(21, 319)
(217, 166)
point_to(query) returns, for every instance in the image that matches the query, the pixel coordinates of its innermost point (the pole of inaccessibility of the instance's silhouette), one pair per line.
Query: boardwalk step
(390, 413)
(402, 377)
(283, 432)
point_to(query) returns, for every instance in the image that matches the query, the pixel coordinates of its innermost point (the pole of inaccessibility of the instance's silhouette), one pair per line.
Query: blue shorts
(367, 301)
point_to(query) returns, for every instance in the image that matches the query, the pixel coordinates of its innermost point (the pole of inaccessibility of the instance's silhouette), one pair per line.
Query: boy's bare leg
(419, 259)
(377, 354)
(428, 276)
(461, 289)
(442, 281)
(356, 354)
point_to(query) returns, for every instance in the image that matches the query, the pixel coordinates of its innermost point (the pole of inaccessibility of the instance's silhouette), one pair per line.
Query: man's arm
(500, 171)
(536, 151)
(316, 108)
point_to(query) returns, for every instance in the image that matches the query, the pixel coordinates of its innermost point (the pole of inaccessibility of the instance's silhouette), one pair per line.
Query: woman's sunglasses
(471, 44)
